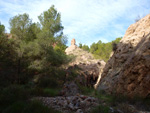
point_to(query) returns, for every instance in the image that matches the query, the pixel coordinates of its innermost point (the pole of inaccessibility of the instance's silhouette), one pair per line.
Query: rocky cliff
(128, 70)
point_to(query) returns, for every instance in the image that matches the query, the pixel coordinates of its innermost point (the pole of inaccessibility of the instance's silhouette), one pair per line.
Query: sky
(87, 21)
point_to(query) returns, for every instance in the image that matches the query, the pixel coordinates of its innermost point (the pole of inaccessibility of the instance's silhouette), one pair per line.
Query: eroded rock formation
(128, 70)
(72, 47)
(90, 68)
(73, 42)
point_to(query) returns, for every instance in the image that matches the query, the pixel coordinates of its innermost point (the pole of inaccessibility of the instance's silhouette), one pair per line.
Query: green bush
(28, 107)
(16, 107)
(101, 109)
(52, 78)
(11, 95)
(15, 99)
(36, 91)
(48, 82)
(37, 107)
(87, 91)
(51, 92)
(102, 50)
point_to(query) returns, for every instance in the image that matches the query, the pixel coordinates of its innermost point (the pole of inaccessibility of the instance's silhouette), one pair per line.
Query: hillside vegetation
(101, 50)
(30, 61)
(36, 75)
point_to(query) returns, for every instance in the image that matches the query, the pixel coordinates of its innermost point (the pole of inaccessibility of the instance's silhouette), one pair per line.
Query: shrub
(11, 95)
(86, 91)
(48, 82)
(16, 107)
(29, 107)
(37, 91)
(101, 109)
(37, 107)
(51, 92)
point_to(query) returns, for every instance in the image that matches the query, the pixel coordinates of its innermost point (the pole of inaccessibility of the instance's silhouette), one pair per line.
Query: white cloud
(85, 20)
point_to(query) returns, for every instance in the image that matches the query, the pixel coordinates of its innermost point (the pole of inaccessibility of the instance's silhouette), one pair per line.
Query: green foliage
(7, 60)
(93, 47)
(117, 40)
(16, 98)
(29, 54)
(7, 48)
(38, 107)
(33, 31)
(2, 29)
(28, 107)
(45, 92)
(48, 82)
(80, 45)
(51, 22)
(84, 47)
(12, 94)
(86, 90)
(42, 56)
(19, 25)
(29, 51)
(52, 29)
(103, 50)
(16, 107)
(51, 92)
(101, 109)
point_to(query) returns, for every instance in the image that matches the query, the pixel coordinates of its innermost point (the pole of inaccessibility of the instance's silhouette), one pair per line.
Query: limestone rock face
(128, 70)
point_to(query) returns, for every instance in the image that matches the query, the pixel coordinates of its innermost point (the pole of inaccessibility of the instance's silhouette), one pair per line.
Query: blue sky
(87, 21)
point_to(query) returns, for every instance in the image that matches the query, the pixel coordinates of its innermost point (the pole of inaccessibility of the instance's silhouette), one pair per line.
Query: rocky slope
(90, 67)
(70, 104)
(71, 99)
(128, 70)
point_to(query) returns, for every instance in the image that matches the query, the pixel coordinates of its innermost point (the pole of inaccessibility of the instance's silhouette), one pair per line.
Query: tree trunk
(19, 70)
